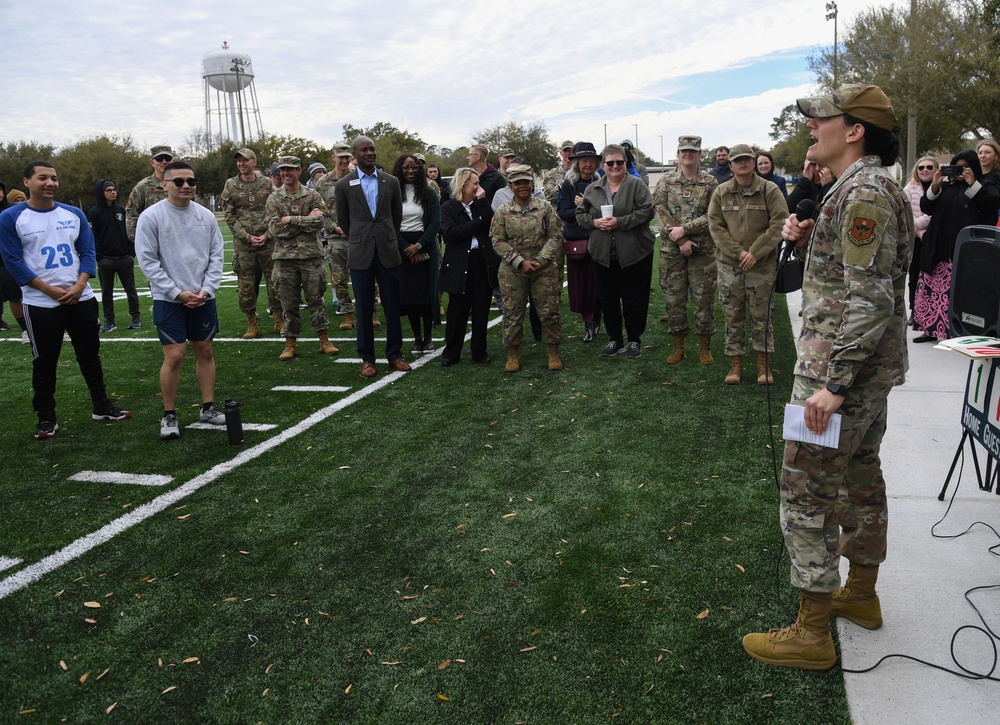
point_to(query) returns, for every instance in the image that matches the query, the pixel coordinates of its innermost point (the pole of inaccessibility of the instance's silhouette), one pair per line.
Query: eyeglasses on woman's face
(611, 163)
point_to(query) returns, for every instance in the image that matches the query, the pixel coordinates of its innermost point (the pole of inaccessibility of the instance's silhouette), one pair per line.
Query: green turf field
(451, 545)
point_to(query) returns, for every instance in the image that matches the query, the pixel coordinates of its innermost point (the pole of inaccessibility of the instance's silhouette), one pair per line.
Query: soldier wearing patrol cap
(687, 252)
(295, 217)
(243, 199)
(149, 190)
(553, 178)
(336, 242)
(506, 156)
(851, 352)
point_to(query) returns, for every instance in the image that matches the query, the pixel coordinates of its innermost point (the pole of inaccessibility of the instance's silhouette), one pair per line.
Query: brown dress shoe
(368, 370)
(399, 364)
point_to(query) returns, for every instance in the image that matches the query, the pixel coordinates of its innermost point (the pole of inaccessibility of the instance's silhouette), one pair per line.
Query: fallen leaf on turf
(269, 668)
(444, 664)
(410, 596)
(344, 468)
(766, 694)
(63, 665)
(391, 664)
(189, 660)
(92, 605)
(110, 708)
(159, 661)
(172, 687)
(90, 621)
(245, 553)
(181, 518)
(106, 671)
(528, 649)
(83, 677)
(27, 712)
(347, 690)
(726, 538)
(443, 697)
(702, 615)
(229, 599)
(266, 690)
(60, 592)
(418, 620)
(537, 631)
(507, 516)
(742, 570)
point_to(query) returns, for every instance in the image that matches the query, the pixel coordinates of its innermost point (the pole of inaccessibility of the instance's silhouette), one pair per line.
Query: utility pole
(831, 14)
(911, 102)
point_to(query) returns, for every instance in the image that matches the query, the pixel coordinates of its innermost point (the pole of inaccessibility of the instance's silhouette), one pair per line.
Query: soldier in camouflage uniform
(687, 252)
(851, 352)
(149, 190)
(553, 178)
(745, 218)
(527, 234)
(242, 200)
(336, 242)
(295, 217)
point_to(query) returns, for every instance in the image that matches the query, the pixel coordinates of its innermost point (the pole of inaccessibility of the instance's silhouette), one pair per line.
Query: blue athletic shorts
(177, 324)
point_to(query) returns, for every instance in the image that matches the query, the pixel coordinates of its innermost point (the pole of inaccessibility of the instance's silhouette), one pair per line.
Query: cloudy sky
(720, 68)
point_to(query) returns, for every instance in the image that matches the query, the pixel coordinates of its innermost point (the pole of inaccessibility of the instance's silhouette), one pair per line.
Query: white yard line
(137, 479)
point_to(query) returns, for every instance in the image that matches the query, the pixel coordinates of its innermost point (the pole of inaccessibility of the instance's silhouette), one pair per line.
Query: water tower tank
(230, 98)
(226, 70)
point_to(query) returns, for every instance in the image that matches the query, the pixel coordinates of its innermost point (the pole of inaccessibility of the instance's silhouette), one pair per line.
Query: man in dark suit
(370, 211)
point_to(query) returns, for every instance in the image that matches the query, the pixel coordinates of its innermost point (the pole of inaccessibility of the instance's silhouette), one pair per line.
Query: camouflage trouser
(681, 276)
(740, 291)
(292, 276)
(249, 266)
(545, 288)
(340, 275)
(826, 490)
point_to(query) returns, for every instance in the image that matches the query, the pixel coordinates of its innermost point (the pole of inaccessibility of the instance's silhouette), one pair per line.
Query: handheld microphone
(804, 210)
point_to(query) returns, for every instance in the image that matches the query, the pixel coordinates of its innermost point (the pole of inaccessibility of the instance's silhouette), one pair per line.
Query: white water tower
(230, 98)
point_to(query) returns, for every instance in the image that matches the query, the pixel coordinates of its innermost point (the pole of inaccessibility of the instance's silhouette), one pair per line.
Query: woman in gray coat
(621, 245)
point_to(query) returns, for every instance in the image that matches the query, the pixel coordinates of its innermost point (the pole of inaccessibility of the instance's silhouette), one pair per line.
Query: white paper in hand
(795, 428)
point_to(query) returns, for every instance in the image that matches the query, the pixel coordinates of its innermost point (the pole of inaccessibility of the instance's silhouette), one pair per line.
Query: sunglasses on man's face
(615, 162)
(163, 159)
(180, 182)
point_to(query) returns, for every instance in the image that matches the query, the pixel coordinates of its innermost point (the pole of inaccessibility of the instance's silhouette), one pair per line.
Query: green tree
(82, 164)
(15, 155)
(792, 136)
(531, 142)
(390, 142)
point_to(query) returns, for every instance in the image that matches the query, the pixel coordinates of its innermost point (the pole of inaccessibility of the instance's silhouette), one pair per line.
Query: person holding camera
(959, 196)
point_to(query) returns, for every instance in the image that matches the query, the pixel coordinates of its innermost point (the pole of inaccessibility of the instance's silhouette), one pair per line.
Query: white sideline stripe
(311, 388)
(32, 573)
(246, 426)
(139, 479)
(6, 562)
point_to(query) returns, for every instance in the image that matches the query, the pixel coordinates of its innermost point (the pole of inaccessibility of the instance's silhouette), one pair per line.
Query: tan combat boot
(325, 346)
(348, 322)
(289, 352)
(705, 351)
(805, 645)
(555, 362)
(513, 360)
(252, 329)
(678, 354)
(735, 374)
(856, 600)
(278, 321)
(764, 376)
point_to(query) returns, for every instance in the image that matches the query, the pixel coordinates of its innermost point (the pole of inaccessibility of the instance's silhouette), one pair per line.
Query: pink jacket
(920, 220)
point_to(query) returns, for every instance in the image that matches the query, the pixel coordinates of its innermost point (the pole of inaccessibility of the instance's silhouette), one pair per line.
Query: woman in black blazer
(469, 268)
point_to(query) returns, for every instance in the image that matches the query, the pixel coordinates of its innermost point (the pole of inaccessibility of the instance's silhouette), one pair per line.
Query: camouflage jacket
(299, 239)
(243, 206)
(146, 193)
(527, 232)
(325, 188)
(853, 320)
(680, 202)
(747, 219)
(551, 181)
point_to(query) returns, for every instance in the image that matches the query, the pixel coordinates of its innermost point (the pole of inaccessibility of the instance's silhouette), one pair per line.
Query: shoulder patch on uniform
(864, 224)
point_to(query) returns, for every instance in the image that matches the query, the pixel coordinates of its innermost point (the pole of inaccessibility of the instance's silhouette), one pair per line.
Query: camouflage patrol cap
(342, 149)
(864, 102)
(504, 152)
(689, 143)
(245, 153)
(740, 150)
(566, 145)
(519, 172)
(289, 162)
(160, 151)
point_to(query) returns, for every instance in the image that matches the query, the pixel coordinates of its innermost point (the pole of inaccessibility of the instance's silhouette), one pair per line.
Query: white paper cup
(607, 210)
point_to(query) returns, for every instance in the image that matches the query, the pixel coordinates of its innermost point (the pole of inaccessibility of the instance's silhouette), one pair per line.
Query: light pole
(636, 127)
(605, 134)
(662, 160)
(831, 14)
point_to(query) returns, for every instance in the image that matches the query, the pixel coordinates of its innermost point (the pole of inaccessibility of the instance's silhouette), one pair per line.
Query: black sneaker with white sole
(110, 412)
(612, 348)
(633, 350)
(46, 428)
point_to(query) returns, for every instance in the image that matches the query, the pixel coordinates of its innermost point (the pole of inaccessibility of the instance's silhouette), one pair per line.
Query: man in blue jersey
(49, 250)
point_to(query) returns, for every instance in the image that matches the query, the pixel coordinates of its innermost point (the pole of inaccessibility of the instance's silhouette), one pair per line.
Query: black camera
(952, 172)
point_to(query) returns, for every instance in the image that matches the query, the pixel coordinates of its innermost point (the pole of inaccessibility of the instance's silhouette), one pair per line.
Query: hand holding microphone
(793, 231)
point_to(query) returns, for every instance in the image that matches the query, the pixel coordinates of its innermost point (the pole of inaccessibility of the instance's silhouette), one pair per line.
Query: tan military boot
(513, 360)
(805, 645)
(348, 322)
(555, 362)
(764, 376)
(678, 354)
(735, 374)
(289, 352)
(252, 329)
(278, 321)
(325, 346)
(705, 351)
(856, 600)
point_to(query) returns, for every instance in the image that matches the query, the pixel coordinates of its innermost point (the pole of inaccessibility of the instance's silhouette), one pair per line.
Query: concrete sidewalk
(924, 579)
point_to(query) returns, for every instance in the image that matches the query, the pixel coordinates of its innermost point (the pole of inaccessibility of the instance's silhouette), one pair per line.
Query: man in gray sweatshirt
(179, 247)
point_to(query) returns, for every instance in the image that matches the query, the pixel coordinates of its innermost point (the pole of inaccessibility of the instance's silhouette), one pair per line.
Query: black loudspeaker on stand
(974, 300)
